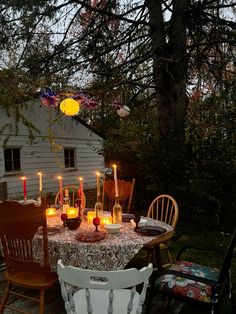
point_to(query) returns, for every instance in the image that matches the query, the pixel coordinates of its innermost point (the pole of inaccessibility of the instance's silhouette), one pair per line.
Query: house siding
(38, 156)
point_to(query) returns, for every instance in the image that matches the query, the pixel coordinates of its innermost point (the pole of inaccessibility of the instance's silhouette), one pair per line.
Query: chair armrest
(203, 249)
(191, 277)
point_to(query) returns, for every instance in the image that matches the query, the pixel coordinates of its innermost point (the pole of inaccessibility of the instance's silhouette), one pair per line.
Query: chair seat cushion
(100, 301)
(32, 280)
(184, 287)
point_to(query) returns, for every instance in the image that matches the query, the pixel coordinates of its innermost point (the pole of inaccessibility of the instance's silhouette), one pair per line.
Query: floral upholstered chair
(192, 282)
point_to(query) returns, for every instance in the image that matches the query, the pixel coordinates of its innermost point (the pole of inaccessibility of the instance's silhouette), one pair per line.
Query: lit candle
(81, 191)
(24, 188)
(72, 212)
(90, 215)
(40, 183)
(60, 187)
(115, 179)
(106, 219)
(51, 212)
(98, 183)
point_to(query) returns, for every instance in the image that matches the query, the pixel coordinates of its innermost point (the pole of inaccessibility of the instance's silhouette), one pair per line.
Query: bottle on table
(66, 201)
(117, 212)
(99, 207)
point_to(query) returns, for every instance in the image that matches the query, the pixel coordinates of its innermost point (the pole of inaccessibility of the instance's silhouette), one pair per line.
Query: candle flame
(23, 178)
(114, 165)
(98, 173)
(39, 173)
(59, 177)
(81, 178)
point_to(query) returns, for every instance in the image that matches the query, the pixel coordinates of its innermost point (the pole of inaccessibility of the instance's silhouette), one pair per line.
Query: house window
(69, 154)
(12, 159)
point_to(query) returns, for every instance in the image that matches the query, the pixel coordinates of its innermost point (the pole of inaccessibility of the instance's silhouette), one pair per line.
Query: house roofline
(84, 123)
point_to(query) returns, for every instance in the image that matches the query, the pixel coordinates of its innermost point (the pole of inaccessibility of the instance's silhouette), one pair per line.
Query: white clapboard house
(62, 147)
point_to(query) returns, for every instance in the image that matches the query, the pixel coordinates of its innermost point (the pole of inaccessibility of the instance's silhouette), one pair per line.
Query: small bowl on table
(113, 228)
(73, 223)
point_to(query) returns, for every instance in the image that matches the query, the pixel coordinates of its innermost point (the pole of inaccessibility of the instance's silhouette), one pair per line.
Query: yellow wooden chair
(18, 225)
(164, 208)
(73, 193)
(125, 189)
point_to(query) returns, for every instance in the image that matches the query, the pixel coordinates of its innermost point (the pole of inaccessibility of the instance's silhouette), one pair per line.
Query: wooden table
(111, 253)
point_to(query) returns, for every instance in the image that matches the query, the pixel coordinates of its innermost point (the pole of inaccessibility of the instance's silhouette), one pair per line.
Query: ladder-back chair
(103, 292)
(18, 225)
(125, 189)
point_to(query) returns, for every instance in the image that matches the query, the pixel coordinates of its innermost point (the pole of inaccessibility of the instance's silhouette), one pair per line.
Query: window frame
(70, 158)
(12, 171)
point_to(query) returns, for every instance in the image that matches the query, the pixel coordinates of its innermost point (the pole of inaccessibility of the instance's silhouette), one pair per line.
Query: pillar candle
(98, 183)
(115, 179)
(24, 188)
(60, 187)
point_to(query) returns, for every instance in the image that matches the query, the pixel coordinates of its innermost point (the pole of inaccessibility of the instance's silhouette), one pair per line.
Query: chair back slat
(110, 281)
(111, 298)
(131, 300)
(88, 298)
(164, 208)
(18, 225)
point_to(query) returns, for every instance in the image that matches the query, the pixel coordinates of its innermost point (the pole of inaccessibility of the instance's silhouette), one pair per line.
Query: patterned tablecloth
(111, 253)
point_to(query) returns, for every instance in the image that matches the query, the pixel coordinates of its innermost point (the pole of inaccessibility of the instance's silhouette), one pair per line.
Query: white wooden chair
(103, 292)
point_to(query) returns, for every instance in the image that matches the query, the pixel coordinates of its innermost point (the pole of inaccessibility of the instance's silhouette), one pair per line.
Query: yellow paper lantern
(70, 107)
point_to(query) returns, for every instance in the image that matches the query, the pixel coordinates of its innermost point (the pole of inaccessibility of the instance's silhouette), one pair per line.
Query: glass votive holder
(51, 214)
(106, 219)
(72, 212)
(90, 215)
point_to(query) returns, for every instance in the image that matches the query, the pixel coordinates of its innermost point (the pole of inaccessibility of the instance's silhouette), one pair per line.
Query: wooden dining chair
(202, 286)
(125, 189)
(18, 226)
(73, 193)
(103, 291)
(163, 208)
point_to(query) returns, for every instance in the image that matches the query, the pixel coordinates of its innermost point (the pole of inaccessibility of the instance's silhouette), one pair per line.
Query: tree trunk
(170, 75)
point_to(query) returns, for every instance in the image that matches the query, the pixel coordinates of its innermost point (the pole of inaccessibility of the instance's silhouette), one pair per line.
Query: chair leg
(42, 302)
(169, 256)
(158, 258)
(5, 297)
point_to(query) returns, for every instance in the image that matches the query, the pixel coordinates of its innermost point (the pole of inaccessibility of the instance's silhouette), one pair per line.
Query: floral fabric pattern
(111, 253)
(185, 287)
